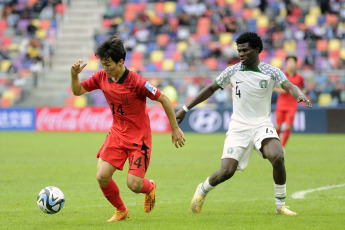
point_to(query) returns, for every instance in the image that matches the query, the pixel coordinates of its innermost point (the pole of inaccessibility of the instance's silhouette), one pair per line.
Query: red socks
(278, 132)
(147, 187)
(112, 193)
(286, 136)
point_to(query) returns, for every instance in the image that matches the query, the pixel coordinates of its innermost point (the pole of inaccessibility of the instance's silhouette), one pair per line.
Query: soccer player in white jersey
(251, 127)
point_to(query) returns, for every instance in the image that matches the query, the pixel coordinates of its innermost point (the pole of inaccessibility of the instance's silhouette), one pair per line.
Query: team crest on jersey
(124, 98)
(151, 88)
(263, 84)
(230, 150)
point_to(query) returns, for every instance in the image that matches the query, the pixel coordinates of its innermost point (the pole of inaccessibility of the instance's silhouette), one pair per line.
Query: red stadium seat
(322, 45)
(162, 39)
(203, 26)
(45, 24)
(60, 8)
(247, 13)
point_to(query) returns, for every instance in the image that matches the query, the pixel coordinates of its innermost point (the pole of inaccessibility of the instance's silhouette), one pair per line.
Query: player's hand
(180, 115)
(177, 137)
(77, 67)
(303, 98)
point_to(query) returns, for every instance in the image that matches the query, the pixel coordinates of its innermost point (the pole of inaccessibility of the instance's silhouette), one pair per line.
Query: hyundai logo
(205, 121)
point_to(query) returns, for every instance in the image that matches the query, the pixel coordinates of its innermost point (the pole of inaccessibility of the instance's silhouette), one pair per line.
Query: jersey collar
(122, 79)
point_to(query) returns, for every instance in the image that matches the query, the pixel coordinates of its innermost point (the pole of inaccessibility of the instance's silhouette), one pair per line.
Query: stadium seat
(5, 65)
(60, 8)
(211, 63)
(168, 65)
(331, 19)
(3, 24)
(342, 53)
(182, 46)
(177, 56)
(22, 24)
(92, 65)
(6, 41)
(290, 46)
(310, 20)
(162, 39)
(80, 102)
(277, 62)
(324, 99)
(41, 33)
(225, 38)
(281, 53)
(159, 7)
(247, 13)
(106, 23)
(322, 45)
(45, 24)
(262, 21)
(315, 10)
(203, 26)
(334, 44)
(157, 56)
(169, 7)
(36, 23)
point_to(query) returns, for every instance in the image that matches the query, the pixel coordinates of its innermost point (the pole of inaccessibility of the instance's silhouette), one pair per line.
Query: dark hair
(252, 38)
(291, 56)
(112, 47)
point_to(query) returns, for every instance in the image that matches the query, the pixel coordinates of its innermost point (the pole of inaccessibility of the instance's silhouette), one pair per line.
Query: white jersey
(252, 91)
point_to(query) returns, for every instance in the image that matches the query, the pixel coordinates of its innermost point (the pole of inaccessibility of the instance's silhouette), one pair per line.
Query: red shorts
(115, 152)
(286, 116)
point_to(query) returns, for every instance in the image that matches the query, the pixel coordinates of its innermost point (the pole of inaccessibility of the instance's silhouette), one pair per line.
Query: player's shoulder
(269, 70)
(231, 70)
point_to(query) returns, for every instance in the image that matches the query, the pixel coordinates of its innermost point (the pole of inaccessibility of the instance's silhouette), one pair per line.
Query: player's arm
(279, 90)
(176, 133)
(76, 86)
(296, 93)
(204, 94)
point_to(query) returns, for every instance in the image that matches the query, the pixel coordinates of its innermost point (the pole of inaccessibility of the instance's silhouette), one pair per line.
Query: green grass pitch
(30, 161)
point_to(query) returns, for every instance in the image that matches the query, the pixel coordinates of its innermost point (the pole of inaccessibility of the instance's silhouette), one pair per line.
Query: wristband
(185, 108)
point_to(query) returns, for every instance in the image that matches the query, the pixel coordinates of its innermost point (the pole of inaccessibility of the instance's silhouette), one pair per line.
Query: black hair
(112, 47)
(291, 56)
(252, 38)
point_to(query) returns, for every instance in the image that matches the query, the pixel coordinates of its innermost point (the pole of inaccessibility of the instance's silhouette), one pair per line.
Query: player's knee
(226, 174)
(278, 160)
(135, 186)
(102, 179)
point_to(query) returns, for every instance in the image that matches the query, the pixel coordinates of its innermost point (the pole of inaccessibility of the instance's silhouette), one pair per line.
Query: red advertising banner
(90, 119)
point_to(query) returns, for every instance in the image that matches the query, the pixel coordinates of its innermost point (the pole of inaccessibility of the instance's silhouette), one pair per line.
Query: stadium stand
(179, 35)
(27, 32)
(189, 42)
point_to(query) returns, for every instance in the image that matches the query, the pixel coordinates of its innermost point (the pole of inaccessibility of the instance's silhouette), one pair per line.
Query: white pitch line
(301, 194)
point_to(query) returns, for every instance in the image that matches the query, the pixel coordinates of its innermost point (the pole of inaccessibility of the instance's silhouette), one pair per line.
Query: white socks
(205, 187)
(280, 194)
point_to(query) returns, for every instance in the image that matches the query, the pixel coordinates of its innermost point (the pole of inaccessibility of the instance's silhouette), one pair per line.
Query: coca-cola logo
(71, 119)
(158, 120)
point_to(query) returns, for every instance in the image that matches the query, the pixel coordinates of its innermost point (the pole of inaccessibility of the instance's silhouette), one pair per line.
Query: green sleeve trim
(283, 83)
(215, 82)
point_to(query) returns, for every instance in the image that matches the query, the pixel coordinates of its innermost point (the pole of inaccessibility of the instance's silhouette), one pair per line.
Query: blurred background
(180, 46)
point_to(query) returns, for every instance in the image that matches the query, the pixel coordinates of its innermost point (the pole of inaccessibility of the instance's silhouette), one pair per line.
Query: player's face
(290, 65)
(248, 56)
(111, 68)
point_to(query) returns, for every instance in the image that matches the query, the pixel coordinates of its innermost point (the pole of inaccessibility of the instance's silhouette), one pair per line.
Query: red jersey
(285, 101)
(127, 102)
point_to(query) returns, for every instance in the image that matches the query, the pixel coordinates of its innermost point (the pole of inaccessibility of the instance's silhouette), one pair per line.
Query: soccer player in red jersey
(286, 104)
(130, 135)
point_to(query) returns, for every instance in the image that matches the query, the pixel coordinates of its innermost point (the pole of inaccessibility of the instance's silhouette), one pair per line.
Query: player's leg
(138, 164)
(280, 116)
(110, 190)
(273, 151)
(227, 170)
(289, 119)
